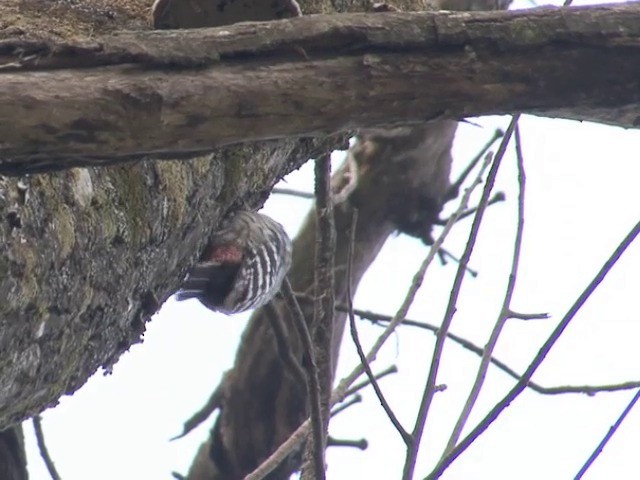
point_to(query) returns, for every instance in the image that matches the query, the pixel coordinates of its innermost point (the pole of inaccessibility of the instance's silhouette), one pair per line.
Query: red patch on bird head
(224, 254)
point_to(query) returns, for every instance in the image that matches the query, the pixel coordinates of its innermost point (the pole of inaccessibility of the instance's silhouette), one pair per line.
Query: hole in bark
(13, 217)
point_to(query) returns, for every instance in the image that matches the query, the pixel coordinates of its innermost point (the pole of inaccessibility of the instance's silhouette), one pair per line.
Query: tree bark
(181, 93)
(88, 255)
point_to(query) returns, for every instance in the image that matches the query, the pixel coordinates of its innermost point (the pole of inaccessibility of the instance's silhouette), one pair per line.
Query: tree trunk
(90, 254)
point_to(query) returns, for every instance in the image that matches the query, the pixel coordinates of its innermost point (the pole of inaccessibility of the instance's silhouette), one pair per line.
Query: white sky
(582, 198)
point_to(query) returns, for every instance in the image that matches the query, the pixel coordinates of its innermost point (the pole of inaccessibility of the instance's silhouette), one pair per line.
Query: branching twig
(544, 350)
(454, 189)
(472, 347)
(444, 253)
(608, 436)
(406, 438)
(505, 311)
(496, 198)
(339, 392)
(429, 390)
(413, 289)
(48, 461)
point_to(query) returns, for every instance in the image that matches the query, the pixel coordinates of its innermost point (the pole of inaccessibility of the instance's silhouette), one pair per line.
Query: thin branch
(283, 451)
(608, 436)
(302, 431)
(293, 193)
(343, 406)
(359, 386)
(542, 353)
(44, 452)
(589, 390)
(497, 198)
(413, 289)
(472, 347)
(406, 438)
(454, 189)
(444, 253)
(361, 444)
(376, 317)
(505, 311)
(429, 390)
(528, 316)
(309, 364)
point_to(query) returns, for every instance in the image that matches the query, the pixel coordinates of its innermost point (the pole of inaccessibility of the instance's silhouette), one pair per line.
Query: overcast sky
(582, 198)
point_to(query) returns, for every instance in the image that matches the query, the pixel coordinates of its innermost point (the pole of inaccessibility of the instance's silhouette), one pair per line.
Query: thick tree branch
(178, 93)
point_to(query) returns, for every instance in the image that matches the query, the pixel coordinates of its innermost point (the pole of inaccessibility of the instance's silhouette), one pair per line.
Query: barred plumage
(243, 265)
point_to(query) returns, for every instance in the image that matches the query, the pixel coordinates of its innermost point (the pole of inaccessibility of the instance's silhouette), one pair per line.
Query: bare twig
(356, 340)
(429, 390)
(293, 193)
(472, 347)
(377, 376)
(608, 436)
(444, 253)
(528, 316)
(544, 350)
(361, 444)
(375, 318)
(42, 446)
(302, 431)
(505, 311)
(413, 289)
(454, 189)
(309, 364)
(496, 198)
(283, 451)
(346, 404)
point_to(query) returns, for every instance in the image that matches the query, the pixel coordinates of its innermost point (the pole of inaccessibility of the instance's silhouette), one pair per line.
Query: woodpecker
(242, 266)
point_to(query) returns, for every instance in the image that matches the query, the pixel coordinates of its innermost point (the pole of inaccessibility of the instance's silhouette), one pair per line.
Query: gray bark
(179, 93)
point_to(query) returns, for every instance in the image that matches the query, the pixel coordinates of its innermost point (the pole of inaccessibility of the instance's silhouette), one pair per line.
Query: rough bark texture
(90, 254)
(194, 90)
